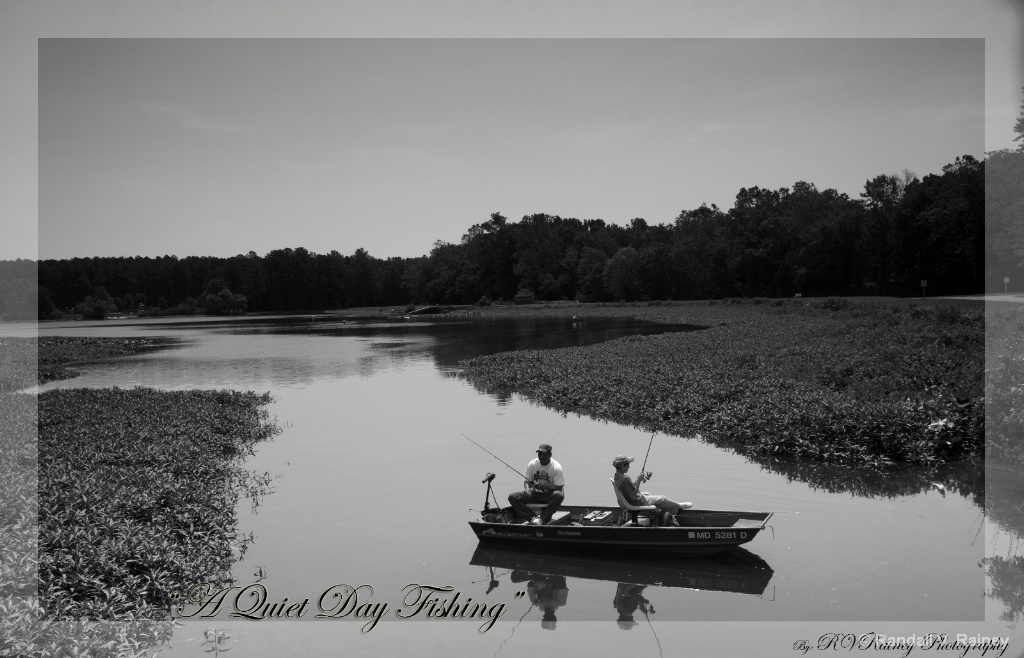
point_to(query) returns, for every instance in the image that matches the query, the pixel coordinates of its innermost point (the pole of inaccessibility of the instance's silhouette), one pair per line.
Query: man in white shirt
(544, 484)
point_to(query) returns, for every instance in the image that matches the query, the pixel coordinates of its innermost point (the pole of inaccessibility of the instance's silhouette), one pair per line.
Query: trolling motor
(489, 494)
(492, 514)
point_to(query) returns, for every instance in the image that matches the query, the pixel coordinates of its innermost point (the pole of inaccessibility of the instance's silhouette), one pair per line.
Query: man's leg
(666, 504)
(554, 500)
(518, 500)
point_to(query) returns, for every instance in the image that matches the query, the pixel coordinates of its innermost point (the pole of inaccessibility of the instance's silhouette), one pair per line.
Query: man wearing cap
(631, 489)
(545, 482)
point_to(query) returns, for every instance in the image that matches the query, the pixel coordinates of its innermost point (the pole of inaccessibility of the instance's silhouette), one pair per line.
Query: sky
(234, 142)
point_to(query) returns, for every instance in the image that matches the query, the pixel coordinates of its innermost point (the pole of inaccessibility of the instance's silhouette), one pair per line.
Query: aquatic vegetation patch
(97, 534)
(56, 352)
(25, 362)
(18, 504)
(137, 495)
(17, 363)
(831, 381)
(24, 628)
(1004, 384)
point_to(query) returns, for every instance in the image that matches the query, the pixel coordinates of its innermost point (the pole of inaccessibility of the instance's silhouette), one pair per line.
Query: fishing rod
(494, 455)
(648, 454)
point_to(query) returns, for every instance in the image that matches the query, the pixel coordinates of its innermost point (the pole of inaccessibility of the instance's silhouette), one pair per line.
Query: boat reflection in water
(545, 573)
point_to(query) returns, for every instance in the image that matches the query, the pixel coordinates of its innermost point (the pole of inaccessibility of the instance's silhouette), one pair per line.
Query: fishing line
(513, 628)
(493, 455)
(656, 638)
(503, 573)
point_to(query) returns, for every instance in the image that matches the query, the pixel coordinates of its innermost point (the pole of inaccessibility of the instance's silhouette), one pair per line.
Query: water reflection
(1007, 576)
(547, 576)
(1005, 509)
(964, 479)
(450, 341)
(629, 597)
(547, 592)
(1005, 485)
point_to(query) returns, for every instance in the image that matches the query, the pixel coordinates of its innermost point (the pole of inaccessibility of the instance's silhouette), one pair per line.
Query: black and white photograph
(453, 328)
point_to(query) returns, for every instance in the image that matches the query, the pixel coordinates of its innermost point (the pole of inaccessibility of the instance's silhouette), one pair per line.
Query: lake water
(374, 480)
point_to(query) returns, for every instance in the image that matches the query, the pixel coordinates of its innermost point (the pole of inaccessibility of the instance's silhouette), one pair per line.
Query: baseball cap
(544, 447)
(621, 460)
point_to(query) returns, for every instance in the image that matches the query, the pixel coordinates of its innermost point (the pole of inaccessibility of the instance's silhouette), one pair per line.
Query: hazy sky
(220, 146)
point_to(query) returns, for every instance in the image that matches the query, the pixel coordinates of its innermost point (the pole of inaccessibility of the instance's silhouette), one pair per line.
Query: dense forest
(901, 231)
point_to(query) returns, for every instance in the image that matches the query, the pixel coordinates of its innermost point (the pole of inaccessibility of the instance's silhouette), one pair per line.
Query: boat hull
(701, 532)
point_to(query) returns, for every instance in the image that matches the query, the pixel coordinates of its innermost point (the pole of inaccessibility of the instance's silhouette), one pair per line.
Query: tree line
(902, 230)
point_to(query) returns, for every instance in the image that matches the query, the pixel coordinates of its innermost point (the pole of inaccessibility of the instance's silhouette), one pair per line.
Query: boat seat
(557, 518)
(536, 508)
(629, 507)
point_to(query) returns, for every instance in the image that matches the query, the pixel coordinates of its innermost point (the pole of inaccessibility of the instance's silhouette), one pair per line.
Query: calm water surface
(373, 483)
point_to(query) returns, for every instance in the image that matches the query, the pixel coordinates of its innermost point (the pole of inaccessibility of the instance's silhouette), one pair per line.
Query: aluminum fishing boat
(635, 530)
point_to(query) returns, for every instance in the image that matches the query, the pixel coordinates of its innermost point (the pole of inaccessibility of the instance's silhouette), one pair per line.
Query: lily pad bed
(831, 381)
(56, 352)
(25, 629)
(28, 361)
(19, 608)
(137, 495)
(127, 498)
